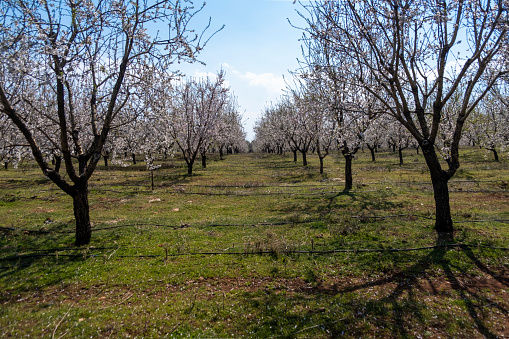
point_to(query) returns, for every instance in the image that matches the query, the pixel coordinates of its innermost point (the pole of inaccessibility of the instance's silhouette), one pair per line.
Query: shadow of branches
(429, 298)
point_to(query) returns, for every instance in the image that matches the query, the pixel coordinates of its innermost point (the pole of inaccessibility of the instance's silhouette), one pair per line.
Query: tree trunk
(400, 153)
(105, 157)
(495, 154)
(443, 221)
(348, 172)
(321, 165)
(190, 168)
(304, 159)
(6, 165)
(372, 150)
(204, 160)
(439, 179)
(134, 159)
(58, 162)
(294, 155)
(221, 152)
(81, 214)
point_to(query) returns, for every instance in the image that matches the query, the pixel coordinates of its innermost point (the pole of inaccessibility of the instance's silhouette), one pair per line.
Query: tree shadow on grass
(401, 309)
(408, 282)
(33, 261)
(359, 202)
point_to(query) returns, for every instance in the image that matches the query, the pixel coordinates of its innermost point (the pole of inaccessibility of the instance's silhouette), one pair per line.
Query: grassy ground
(258, 246)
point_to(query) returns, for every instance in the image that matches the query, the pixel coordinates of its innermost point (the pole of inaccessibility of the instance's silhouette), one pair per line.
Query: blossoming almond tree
(320, 126)
(230, 134)
(491, 121)
(269, 131)
(69, 69)
(192, 113)
(13, 147)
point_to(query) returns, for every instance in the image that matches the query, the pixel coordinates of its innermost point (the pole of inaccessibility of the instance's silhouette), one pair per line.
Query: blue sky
(256, 48)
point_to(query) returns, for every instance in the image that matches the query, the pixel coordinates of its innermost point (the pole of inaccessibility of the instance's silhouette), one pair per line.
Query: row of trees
(294, 125)
(83, 79)
(191, 117)
(428, 65)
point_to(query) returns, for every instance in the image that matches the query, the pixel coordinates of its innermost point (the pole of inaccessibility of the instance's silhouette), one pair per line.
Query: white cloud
(269, 81)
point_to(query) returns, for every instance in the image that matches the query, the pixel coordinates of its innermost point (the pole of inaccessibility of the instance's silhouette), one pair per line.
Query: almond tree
(351, 108)
(492, 117)
(297, 119)
(269, 132)
(320, 126)
(13, 147)
(413, 57)
(230, 134)
(375, 135)
(397, 137)
(192, 113)
(350, 137)
(69, 68)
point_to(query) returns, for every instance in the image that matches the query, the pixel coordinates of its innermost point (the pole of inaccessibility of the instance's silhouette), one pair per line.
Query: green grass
(244, 249)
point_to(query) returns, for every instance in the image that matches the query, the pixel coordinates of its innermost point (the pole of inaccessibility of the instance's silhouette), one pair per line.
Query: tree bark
(204, 160)
(304, 159)
(400, 153)
(439, 179)
(348, 172)
(134, 159)
(105, 157)
(321, 165)
(58, 162)
(294, 155)
(495, 154)
(443, 223)
(82, 216)
(372, 150)
(6, 165)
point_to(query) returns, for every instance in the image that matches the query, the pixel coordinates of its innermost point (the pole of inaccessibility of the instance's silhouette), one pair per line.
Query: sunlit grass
(160, 261)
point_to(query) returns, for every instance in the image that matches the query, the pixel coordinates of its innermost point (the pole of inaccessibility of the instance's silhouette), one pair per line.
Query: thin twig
(56, 327)
(120, 302)
(113, 253)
